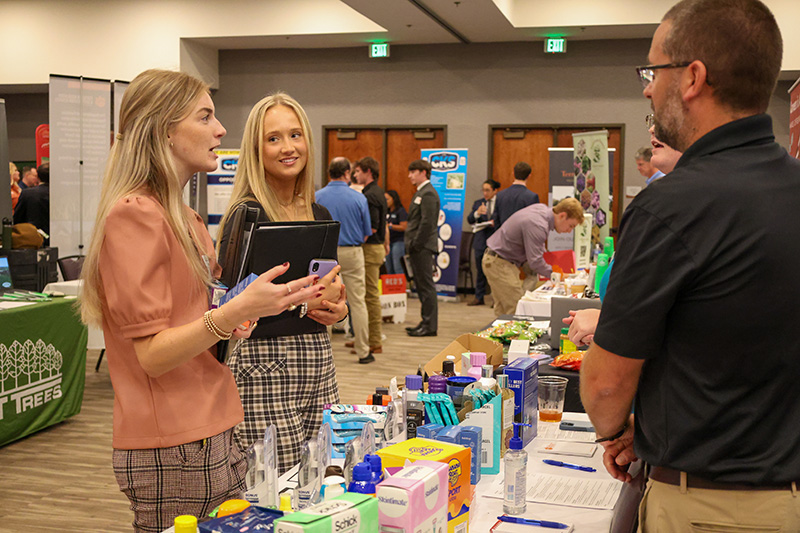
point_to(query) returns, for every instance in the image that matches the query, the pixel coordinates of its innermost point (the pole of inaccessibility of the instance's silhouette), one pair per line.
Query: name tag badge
(418, 200)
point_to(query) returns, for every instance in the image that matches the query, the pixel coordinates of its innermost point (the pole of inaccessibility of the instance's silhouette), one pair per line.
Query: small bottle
(449, 367)
(185, 523)
(437, 384)
(415, 410)
(362, 480)
(565, 345)
(602, 266)
(477, 360)
(374, 461)
(515, 473)
(487, 382)
(507, 413)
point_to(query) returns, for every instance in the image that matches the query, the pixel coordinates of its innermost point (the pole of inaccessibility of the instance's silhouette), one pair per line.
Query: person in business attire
(700, 253)
(367, 173)
(33, 205)
(482, 211)
(645, 166)
(421, 245)
(29, 178)
(351, 210)
(515, 197)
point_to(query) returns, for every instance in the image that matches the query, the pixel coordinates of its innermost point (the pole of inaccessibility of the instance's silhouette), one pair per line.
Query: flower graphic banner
(591, 180)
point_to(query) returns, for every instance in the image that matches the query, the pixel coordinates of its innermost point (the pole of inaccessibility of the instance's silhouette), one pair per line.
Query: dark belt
(670, 476)
(349, 245)
(491, 252)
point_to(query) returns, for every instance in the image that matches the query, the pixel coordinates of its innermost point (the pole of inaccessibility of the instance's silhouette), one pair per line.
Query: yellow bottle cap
(230, 507)
(286, 503)
(185, 524)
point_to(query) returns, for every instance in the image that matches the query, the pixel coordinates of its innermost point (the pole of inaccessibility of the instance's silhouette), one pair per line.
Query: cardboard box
(466, 343)
(458, 460)
(414, 499)
(349, 513)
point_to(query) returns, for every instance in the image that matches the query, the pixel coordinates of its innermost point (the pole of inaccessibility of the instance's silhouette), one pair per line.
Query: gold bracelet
(215, 330)
(223, 317)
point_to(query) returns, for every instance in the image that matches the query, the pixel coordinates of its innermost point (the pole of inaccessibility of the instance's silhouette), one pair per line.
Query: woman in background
(396, 224)
(15, 188)
(284, 371)
(145, 280)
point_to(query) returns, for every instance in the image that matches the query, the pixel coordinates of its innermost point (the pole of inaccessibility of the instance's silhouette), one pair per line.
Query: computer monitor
(5, 274)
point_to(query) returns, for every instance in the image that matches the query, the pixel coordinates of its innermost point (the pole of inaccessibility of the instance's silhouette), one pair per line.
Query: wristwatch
(615, 436)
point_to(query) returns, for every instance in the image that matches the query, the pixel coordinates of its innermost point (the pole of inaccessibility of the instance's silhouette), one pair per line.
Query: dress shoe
(366, 360)
(475, 302)
(421, 331)
(414, 327)
(349, 344)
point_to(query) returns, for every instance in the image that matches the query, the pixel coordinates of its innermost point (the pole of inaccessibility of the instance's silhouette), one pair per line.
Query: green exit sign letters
(555, 45)
(379, 50)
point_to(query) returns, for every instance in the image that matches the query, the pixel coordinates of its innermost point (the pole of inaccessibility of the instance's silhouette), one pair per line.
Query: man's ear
(694, 80)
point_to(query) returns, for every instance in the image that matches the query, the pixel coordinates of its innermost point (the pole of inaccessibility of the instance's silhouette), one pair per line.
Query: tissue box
(458, 475)
(523, 379)
(415, 498)
(349, 513)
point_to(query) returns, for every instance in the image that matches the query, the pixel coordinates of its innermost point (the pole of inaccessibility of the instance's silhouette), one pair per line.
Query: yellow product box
(458, 460)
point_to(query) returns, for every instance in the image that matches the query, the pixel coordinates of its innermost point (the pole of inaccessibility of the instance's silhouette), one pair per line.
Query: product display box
(349, 513)
(415, 498)
(466, 343)
(457, 458)
(523, 379)
(489, 418)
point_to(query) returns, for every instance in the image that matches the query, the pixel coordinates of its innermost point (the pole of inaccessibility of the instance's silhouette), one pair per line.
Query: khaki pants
(503, 278)
(669, 509)
(373, 259)
(351, 258)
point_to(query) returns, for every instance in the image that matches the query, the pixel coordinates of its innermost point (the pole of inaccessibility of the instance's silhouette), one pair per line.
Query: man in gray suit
(421, 246)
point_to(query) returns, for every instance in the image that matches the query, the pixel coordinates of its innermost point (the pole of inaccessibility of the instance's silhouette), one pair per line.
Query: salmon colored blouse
(147, 286)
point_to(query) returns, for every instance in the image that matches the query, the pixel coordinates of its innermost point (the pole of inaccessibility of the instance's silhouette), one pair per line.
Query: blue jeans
(396, 251)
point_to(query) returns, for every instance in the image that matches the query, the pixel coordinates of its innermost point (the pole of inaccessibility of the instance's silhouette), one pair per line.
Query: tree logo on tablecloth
(30, 374)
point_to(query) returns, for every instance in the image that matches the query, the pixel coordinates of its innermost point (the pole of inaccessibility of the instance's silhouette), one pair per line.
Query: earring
(171, 145)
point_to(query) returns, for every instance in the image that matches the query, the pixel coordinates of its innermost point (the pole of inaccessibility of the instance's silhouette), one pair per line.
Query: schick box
(457, 458)
(523, 379)
(349, 513)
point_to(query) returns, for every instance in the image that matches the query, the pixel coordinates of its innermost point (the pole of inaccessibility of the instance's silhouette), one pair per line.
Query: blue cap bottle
(376, 466)
(362, 480)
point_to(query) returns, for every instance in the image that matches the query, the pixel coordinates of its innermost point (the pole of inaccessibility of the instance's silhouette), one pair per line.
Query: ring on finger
(288, 288)
(291, 307)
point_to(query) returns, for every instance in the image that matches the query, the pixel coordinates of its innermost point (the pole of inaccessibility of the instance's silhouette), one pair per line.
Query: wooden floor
(60, 479)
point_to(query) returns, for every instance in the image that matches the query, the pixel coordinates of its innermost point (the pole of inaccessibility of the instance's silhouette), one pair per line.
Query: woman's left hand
(333, 285)
(330, 313)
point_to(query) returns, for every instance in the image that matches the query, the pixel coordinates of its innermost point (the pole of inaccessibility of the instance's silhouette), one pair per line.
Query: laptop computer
(560, 308)
(5, 275)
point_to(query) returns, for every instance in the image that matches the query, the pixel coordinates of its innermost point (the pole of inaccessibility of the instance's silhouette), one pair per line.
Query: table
(42, 366)
(73, 288)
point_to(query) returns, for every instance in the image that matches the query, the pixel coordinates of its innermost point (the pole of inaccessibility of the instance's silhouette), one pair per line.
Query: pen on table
(569, 465)
(532, 522)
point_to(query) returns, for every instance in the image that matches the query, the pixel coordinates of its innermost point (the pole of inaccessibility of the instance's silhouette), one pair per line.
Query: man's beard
(670, 122)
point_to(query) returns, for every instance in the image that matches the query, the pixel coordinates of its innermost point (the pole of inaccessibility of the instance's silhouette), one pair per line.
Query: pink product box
(414, 499)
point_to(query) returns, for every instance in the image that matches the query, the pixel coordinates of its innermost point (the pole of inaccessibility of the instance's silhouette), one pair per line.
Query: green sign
(555, 45)
(379, 50)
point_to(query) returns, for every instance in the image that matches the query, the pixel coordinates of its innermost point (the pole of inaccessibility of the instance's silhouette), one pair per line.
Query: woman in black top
(396, 222)
(284, 371)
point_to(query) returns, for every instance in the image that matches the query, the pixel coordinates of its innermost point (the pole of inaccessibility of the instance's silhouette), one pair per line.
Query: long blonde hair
(250, 182)
(140, 162)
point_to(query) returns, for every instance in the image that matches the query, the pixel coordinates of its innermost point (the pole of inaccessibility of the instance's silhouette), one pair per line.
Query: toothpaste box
(414, 499)
(523, 379)
(451, 434)
(349, 513)
(429, 431)
(472, 437)
(457, 458)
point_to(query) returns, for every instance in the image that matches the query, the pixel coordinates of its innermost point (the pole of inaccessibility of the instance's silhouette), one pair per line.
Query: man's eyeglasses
(650, 120)
(648, 72)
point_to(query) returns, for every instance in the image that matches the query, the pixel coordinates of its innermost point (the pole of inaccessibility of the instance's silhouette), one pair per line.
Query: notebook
(560, 308)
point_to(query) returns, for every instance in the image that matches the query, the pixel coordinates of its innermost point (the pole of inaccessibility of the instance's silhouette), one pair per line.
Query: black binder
(274, 243)
(242, 223)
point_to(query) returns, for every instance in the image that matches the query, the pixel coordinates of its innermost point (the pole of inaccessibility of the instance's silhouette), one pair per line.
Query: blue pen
(532, 522)
(569, 465)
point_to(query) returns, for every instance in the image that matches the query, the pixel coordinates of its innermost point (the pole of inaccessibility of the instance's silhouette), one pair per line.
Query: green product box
(349, 513)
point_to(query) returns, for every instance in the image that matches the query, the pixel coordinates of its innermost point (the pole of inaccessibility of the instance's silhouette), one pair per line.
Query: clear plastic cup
(552, 390)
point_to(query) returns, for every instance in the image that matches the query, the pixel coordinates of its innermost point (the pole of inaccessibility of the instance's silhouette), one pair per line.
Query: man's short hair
(645, 153)
(338, 167)
(494, 184)
(521, 171)
(571, 207)
(43, 171)
(27, 169)
(368, 163)
(421, 164)
(738, 41)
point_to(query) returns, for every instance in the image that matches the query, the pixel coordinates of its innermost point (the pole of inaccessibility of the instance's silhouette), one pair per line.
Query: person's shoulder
(320, 212)
(136, 204)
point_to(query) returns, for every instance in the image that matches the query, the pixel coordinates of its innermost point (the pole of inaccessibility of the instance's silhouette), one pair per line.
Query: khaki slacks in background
(351, 258)
(373, 259)
(503, 278)
(666, 509)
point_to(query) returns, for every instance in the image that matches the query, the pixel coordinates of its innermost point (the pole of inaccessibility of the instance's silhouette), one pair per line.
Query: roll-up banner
(794, 119)
(80, 127)
(592, 180)
(220, 188)
(42, 144)
(449, 178)
(5, 186)
(119, 91)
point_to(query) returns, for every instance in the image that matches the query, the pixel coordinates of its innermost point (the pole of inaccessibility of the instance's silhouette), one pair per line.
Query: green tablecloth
(42, 367)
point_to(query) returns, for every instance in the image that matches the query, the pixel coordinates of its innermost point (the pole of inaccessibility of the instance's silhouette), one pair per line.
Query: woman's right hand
(264, 298)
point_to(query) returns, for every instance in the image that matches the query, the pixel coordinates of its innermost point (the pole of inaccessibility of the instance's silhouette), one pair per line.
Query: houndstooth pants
(285, 381)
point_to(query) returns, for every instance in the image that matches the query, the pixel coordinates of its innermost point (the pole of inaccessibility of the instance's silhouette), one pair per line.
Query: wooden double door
(511, 144)
(393, 147)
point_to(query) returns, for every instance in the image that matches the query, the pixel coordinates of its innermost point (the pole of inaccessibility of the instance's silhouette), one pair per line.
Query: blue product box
(471, 437)
(523, 379)
(237, 289)
(451, 434)
(429, 431)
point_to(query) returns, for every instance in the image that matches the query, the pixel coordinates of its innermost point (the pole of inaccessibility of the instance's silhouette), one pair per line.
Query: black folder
(242, 224)
(274, 243)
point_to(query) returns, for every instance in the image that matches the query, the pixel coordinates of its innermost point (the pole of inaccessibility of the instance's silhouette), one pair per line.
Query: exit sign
(379, 50)
(555, 46)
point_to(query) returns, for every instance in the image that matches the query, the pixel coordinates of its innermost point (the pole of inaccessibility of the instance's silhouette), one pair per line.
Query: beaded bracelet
(215, 330)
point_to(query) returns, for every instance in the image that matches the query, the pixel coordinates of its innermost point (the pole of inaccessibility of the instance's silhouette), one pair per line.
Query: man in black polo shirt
(515, 197)
(698, 323)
